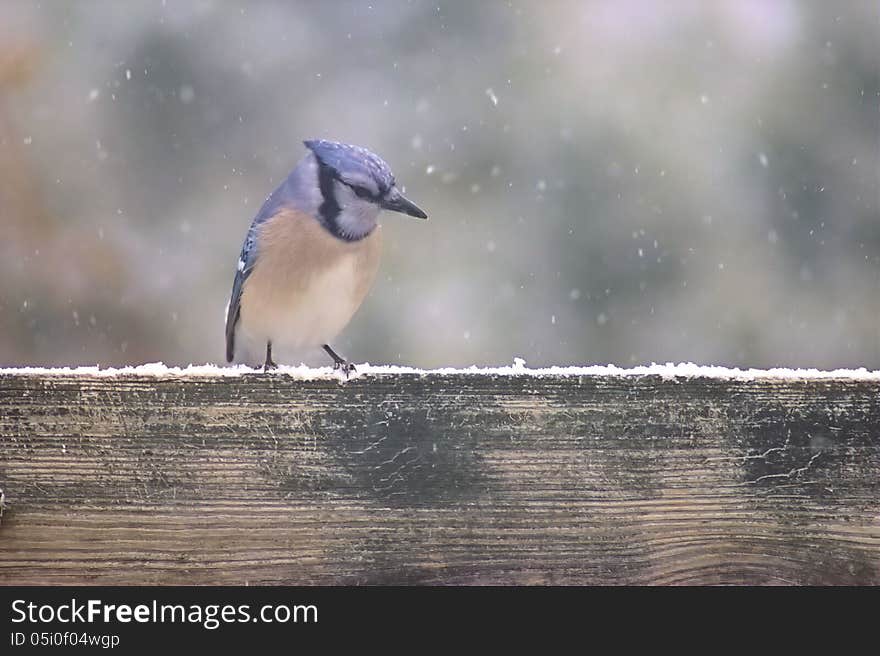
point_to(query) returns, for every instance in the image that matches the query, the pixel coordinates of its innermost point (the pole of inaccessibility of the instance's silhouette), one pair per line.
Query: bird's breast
(306, 284)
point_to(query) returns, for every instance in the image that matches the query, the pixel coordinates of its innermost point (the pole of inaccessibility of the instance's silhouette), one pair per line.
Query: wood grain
(438, 479)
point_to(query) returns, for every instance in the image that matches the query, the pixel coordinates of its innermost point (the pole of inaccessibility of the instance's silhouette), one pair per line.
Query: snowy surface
(518, 368)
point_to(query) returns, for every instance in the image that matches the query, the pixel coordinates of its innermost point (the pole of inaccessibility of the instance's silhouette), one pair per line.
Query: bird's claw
(339, 362)
(346, 367)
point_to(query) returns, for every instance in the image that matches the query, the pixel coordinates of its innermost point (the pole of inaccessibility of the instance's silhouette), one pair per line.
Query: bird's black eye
(363, 192)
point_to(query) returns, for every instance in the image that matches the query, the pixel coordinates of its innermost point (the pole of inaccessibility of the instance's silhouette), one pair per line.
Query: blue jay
(312, 253)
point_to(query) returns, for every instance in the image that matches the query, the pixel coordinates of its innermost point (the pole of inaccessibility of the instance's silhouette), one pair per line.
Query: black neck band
(329, 209)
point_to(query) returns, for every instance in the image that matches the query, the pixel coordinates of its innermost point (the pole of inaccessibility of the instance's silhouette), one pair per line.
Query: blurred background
(608, 182)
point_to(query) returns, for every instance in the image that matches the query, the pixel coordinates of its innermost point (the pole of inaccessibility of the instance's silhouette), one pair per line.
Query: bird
(312, 253)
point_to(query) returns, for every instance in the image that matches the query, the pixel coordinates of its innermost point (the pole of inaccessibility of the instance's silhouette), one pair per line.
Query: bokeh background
(621, 182)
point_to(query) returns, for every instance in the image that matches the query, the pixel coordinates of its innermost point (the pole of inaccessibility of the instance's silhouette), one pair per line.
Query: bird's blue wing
(245, 265)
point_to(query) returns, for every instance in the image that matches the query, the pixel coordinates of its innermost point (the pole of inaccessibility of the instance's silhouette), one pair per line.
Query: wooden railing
(472, 478)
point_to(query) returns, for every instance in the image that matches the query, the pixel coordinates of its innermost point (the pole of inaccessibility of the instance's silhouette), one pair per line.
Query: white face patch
(241, 265)
(357, 216)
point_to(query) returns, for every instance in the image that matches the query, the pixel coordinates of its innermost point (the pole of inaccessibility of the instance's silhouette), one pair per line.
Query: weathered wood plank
(439, 479)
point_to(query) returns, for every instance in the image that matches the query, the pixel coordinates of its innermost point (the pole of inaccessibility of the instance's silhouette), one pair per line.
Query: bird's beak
(397, 202)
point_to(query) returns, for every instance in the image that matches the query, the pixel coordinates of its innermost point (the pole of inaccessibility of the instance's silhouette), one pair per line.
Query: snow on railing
(518, 368)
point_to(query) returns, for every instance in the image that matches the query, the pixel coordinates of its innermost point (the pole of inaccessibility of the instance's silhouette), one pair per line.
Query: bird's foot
(339, 362)
(346, 367)
(270, 363)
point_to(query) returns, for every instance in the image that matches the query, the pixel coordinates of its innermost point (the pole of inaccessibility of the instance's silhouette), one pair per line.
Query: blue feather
(345, 158)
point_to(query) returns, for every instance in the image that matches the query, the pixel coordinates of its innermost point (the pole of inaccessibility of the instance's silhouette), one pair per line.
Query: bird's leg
(338, 361)
(269, 364)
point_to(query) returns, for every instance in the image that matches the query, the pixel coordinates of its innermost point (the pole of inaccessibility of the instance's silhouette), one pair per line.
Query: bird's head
(355, 185)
